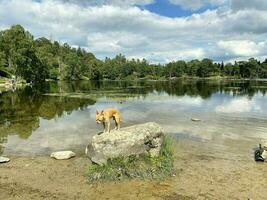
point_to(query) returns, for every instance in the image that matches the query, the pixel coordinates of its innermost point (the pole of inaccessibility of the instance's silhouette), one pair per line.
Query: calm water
(60, 116)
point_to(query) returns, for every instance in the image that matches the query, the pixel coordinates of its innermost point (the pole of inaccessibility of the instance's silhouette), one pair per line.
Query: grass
(141, 167)
(3, 80)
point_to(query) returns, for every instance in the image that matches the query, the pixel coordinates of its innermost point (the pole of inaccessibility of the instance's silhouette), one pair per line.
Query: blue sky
(166, 8)
(157, 30)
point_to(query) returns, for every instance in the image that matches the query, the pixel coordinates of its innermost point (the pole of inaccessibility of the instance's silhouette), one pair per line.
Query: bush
(142, 166)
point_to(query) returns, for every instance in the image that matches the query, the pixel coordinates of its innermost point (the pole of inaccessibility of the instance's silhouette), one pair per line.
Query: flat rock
(62, 155)
(134, 140)
(4, 159)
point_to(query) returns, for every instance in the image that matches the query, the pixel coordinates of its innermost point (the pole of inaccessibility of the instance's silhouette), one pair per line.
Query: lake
(61, 115)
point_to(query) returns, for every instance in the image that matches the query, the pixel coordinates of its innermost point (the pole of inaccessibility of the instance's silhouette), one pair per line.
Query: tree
(206, 67)
(18, 46)
(36, 60)
(3, 61)
(192, 67)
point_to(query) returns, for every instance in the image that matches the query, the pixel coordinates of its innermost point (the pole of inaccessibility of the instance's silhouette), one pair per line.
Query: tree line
(39, 59)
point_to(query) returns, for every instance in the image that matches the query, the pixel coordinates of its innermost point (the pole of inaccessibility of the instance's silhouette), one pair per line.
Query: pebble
(4, 159)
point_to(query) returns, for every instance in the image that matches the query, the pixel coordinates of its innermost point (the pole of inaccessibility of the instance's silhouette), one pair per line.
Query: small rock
(62, 155)
(4, 159)
(195, 120)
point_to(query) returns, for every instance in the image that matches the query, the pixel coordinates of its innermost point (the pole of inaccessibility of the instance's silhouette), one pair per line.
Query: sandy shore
(198, 177)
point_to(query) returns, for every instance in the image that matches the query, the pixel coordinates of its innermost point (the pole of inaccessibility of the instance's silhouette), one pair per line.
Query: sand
(199, 176)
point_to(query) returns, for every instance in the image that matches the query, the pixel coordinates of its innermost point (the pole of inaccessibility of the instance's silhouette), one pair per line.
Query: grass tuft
(141, 167)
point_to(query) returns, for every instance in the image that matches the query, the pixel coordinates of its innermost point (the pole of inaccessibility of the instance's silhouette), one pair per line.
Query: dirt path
(198, 177)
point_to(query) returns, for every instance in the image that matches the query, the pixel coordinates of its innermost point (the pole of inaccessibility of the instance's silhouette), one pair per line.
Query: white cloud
(242, 47)
(109, 2)
(187, 54)
(109, 29)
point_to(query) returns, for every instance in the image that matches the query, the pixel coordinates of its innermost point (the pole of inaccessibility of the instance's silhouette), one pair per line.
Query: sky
(157, 30)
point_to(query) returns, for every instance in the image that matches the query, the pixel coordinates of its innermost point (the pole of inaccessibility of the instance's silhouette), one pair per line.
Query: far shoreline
(165, 79)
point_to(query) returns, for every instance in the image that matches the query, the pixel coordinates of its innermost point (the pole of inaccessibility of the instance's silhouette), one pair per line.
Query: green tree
(3, 61)
(18, 46)
(206, 67)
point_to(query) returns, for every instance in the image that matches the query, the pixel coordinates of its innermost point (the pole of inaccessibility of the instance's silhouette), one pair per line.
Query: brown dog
(104, 118)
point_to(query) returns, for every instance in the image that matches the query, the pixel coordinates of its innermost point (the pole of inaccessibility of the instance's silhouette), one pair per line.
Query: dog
(104, 117)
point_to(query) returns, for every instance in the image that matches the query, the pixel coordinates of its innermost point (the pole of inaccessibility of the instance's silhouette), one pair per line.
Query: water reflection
(202, 88)
(45, 115)
(20, 111)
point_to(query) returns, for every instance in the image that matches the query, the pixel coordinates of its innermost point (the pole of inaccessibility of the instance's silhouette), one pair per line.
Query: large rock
(62, 155)
(4, 159)
(133, 140)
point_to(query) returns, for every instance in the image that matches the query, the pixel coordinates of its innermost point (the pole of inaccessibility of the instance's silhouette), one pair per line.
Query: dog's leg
(104, 125)
(116, 124)
(119, 126)
(117, 121)
(108, 126)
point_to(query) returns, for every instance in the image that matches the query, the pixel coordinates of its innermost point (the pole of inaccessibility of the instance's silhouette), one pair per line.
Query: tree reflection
(20, 111)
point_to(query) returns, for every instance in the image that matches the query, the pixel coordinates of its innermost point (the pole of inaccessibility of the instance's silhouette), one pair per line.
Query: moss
(141, 167)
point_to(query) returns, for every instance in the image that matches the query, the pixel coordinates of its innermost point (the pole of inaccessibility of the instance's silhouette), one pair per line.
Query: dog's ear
(97, 112)
(102, 111)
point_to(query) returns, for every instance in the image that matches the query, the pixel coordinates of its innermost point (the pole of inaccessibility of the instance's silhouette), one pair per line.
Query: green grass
(141, 167)
(3, 80)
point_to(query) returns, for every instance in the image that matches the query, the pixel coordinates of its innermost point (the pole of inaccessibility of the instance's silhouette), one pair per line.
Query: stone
(195, 120)
(134, 140)
(4, 159)
(62, 155)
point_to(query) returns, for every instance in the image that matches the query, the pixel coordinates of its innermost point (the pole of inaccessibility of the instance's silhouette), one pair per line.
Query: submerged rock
(134, 140)
(195, 119)
(4, 159)
(62, 155)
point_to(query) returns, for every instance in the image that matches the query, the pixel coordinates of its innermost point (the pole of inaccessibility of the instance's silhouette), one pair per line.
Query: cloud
(196, 4)
(242, 47)
(252, 4)
(187, 54)
(109, 2)
(111, 27)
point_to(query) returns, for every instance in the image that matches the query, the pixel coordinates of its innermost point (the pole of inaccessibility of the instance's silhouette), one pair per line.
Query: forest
(23, 56)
